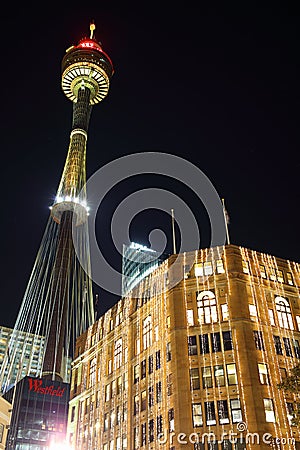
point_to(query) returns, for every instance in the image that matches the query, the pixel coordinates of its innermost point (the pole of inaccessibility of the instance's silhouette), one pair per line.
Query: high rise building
(194, 365)
(58, 303)
(29, 354)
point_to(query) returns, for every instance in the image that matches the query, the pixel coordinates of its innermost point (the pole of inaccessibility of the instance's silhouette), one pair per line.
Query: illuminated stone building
(170, 363)
(5, 412)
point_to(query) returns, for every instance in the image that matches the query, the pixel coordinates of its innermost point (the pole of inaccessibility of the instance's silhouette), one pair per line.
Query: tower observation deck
(58, 301)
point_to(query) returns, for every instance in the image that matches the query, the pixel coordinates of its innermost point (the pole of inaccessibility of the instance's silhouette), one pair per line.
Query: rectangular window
(258, 338)
(236, 410)
(262, 271)
(119, 385)
(269, 410)
(227, 340)
(136, 405)
(150, 364)
(143, 400)
(216, 342)
(151, 430)
(206, 377)
(192, 345)
(168, 352)
(144, 435)
(150, 396)
(169, 385)
(290, 411)
(296, 348)
(231, 374)
(219, 375)
(220, 266)
(106, 421)
(210, 413)
(136, 438)
(157, 360)
(263, 373)
(253, 312)
(197, 415)
(278, 346)
(226, 444)
(199, 270)
(223, 413)
(158, 392)
(271, 317)
(208, 268)
(204, 343)
(279, 275)
(171, 420)
(272, 274)
(287, 346)
(298, 322)
(289, 278)
(107, 392)
(1, 432)
(143, 369)
(245, 266)
(190, 317)
(224, 311)
(283, 374)
(159, 425)
(136, 373)
(195, 379)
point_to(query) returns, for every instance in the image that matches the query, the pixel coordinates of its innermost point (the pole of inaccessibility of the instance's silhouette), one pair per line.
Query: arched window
(147, 332)
(207, 307)
(118, 354)
(284, 313)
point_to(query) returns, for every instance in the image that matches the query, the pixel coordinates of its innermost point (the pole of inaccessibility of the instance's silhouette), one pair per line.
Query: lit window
(118, 354)
(136, 373)
(147, 332)
(263, 373)
(279, 275)
(245, 266)
(208, 268)
(210, 413)
(219, 375)
(223, 412)
(289, 278)
(137, 346)
(298, 322)
(236, 411)
(195, 380)
(253, 312)
(93, 366)
(119, 385)
(106, 421)
(269, 410)
(107, 392)
(136, 405)
(262, 271)
(271, 317)
(206, 377)
(284, 313)
(199, 270)
(190, 317)
(224, 310)
(231, 374)
(220, 266)
(171, 419)
(272, 274)
(143, 400)
(197, 415)
(207, 307)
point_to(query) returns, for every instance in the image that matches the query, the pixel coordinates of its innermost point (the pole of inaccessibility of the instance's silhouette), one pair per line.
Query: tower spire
(92, 29)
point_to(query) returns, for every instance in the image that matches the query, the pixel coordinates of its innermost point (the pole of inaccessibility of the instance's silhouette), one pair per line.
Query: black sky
(218, 88)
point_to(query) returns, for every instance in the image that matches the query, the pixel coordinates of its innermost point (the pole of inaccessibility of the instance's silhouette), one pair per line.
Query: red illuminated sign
(87, 44)
(37, 386)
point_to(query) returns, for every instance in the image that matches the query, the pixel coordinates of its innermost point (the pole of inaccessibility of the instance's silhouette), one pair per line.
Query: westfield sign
(36, 385)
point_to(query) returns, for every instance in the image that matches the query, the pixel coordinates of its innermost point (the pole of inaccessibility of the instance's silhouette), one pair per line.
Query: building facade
(192, 364)
(5, 411)
(21, 354)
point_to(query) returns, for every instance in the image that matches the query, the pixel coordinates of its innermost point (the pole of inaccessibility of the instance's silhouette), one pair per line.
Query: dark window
(258, 339)
(204, 343)
(150, 396)
(240, 444)
(159, 425)
(223, 411)
(168, 352)
(151, 430)
(210, 413)
(227, 340)
(150, 364)
(143, 369)
(192, 345)
(157, 360)
(144, 434)
(171, 419)
(287, 346)
(296, 348)
(278, 346)
(226, 445)
(158, 392)
(215, 342)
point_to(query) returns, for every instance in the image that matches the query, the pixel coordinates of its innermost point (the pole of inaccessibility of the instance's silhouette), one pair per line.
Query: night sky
(218, 88)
